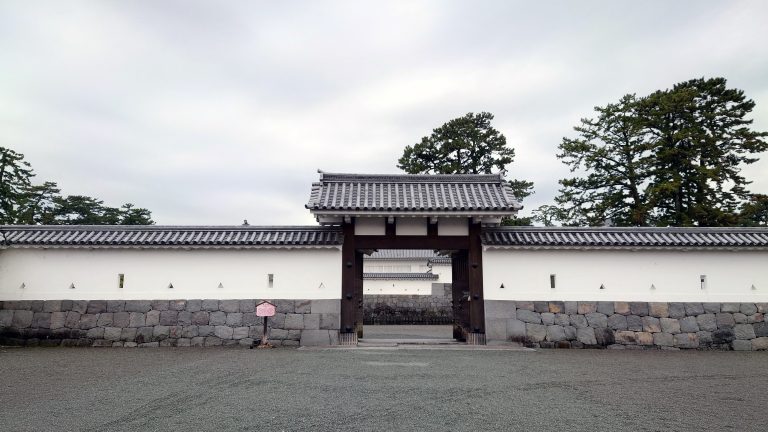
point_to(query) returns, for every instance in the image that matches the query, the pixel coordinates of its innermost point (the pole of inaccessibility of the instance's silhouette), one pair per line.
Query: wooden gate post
(476, 335)
(349, 300)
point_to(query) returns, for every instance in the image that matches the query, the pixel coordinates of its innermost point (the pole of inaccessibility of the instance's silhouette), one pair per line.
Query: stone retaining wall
(410, 309)
(629, 325)
(151, 323)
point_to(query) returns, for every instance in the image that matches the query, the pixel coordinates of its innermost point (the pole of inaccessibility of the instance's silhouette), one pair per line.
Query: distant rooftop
(411, 195)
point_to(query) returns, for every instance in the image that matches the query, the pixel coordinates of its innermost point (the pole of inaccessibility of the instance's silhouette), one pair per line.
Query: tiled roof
(409, 193)
(403, 254)
(168, 236)
(402, 276)
(441, 260)
(686, 238)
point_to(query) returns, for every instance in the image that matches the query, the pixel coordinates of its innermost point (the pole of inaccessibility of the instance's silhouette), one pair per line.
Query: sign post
(265, 309)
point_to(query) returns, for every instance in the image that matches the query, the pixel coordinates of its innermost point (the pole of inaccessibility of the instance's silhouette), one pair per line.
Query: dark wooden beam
(476, 302)
(348, 280)
(411, 242)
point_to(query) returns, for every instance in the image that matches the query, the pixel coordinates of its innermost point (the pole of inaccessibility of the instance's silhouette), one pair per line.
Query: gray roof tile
(168, 236)
(553, 238)
(453, 193)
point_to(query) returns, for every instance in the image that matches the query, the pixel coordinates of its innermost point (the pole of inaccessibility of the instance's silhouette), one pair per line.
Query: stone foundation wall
(629, 325)
(151, 323)
(410, 309)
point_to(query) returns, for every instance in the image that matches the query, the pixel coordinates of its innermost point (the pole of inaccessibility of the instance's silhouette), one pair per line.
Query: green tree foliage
(672, 158)
(465, 145)
(22, 202)
(754, 212)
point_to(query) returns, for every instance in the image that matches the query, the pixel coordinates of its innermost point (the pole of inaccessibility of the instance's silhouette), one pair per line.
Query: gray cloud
(211, 113)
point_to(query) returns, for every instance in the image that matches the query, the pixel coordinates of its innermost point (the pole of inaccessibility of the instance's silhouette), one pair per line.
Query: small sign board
(265, 309)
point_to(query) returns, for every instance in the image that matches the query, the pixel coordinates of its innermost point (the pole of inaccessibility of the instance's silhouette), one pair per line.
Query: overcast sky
(214, 112)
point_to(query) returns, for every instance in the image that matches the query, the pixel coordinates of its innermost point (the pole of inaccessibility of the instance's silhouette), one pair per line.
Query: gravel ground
(117, 389)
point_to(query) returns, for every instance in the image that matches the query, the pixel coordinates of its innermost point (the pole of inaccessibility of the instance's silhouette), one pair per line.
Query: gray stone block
(555, 333)
(586, 336)
(234, 319)
(760, 344)
(177, 305)
(330, 321)
(41, 320)
(638, 308)
(96, 306)
(212, 341)
(677, 310)
(651, 324)
(52, 306)
(184, 342)
(495, 329)
(634, 323)
(160, 305)
(128, 334)
(730, 307)
(136, 319)
(516, 330)
(626, 337)
(761, 329)
(6, 318)
(711, 308)
(115, 306)
(58, 319)
(168, 343)
(547, 318)
(670, 325)
(183, 318)
(705, 338)
(315, 338)
(756, 318)
(194, 305)
(658, 309)
(88, 321)
(73, 320)
(555, 307)
(79, 306)
(570, 332)
(499, 309)
(153, 318)
(240, 333)
(255, 332)
(605, 308)
(707, 322)
(223, 332)
(748, 308)
(121, 319)
(617, 322)
(744, 331)
(663, 339)
(217, 318)
(740, 318)
(36, 305)
(562, 319)
(209, 305)
(250, 318)
(311, 321)
(197, 341)
(246, 342)
(644, 338)
(112, 333)
(294, 334)
(326, 306)
(528, 316)
(686, 340)
(302, 306)
(571, 307)
(621, 308)
(689, 324)
(284, 306)
(138, 306)
(540, 306)
(160, 332)
(579, 321)
(105, 319)
(723, 336)
(742, 345)
(229, 306)
(200, 318)
(189, 331)
(692, 309)
(169, 318)
(205, 330)
(535, 332)
(294, 321)
(725, 320)
(277, 321)
(527, 305)
(597, 320)
(95, 333)
(248, 305)
(587, 307)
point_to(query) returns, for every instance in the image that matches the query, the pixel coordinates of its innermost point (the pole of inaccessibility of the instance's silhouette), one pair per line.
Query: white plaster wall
(452, 227)
(395, 287)
(626, 275)
(195, 274)
(411, 226)
(370, 226)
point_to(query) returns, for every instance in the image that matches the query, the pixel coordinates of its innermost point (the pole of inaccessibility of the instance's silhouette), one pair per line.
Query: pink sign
(265, 309)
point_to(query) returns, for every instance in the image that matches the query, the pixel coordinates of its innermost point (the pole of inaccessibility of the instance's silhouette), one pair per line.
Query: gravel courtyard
(117, 389)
